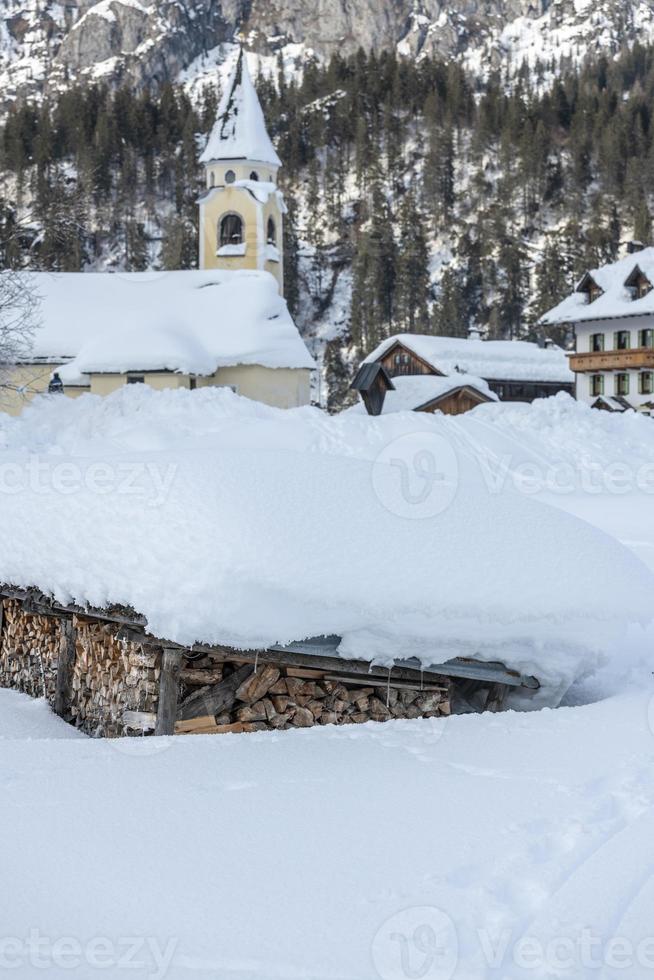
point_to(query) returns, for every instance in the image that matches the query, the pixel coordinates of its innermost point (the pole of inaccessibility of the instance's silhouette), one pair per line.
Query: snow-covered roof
(193, 322)
(493, 360)
(613, 403)
(249, 526)
(239, 132)
(411, 393)
(616, 300)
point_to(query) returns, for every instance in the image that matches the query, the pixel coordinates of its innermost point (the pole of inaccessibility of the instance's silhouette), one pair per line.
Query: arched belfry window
(254, 175)
(272, 232)
(231, 230)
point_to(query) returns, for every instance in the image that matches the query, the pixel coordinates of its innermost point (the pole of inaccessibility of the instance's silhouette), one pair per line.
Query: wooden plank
(305, 673)
(374, 680)
(171, 665)
(235, 728)
(218, 698)
(204, 721)
(65, 664)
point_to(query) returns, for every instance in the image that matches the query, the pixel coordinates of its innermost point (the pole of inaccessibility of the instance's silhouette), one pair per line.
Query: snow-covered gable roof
(616, 300)
(193, 322)
(239, 132)
(493, 360)
(411, 393)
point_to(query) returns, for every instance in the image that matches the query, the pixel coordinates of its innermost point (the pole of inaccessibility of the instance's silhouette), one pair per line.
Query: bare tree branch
(19, 303)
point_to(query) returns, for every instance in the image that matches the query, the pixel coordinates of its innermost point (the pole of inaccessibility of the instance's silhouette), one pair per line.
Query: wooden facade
(399, 361)
(455, 402)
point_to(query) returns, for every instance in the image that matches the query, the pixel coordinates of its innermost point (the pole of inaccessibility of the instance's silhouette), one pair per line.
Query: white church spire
(240, 130)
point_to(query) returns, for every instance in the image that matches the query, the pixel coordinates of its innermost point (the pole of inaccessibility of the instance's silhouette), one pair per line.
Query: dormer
(589, 287)
(637, 283)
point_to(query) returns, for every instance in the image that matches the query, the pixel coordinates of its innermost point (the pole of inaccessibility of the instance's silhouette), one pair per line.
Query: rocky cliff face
(46, 45)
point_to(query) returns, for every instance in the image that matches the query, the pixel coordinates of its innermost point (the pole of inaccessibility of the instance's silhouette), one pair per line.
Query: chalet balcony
(613, 360)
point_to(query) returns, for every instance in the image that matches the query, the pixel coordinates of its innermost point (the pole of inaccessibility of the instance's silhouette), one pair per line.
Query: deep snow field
(478, 846)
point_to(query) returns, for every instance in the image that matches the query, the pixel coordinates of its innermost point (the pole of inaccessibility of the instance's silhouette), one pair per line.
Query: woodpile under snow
(107, 676)
(107, 684)
(278, 697)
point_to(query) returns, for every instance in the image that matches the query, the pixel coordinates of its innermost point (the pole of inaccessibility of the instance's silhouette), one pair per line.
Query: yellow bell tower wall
(245, 202)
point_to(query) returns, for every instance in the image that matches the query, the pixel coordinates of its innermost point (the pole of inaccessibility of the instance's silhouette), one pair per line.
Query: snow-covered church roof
(616, 299)
(239, 132)
(193, 322)
(493, 360)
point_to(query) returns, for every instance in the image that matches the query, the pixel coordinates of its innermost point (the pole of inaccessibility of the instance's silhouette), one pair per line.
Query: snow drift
(223, 520)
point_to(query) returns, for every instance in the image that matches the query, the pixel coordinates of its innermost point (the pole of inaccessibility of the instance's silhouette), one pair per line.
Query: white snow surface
(193, 322)
(240, 130)
(499, 360)
(616, 299)
(223, 520)
(487, 846)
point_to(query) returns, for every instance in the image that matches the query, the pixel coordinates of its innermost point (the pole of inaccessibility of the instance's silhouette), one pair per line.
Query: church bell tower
(241, 209)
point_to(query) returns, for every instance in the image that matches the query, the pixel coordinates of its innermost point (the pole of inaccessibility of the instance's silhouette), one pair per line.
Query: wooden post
(67, 651)
(171, 664)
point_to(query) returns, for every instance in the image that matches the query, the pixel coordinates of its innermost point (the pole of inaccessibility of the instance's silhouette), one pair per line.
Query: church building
(226, 324)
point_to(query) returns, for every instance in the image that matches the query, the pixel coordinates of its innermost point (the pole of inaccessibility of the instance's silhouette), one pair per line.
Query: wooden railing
(613, 360)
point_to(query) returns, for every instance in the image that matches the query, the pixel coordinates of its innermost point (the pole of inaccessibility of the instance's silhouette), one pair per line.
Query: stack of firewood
(278, 698)
(110, 677)
(29, 651)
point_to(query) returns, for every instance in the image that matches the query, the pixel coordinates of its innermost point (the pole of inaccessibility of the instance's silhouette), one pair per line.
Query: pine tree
(412, 289)
(449, 316)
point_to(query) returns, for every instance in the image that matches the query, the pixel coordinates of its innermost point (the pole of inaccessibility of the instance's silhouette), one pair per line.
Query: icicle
(422, 682)
(256, 661)
(388, 687)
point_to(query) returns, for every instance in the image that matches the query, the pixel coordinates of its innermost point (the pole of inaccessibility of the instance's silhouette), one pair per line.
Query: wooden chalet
(511, 370)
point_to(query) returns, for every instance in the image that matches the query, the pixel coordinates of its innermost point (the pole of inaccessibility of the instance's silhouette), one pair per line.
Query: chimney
(549, 344)
(474, 333)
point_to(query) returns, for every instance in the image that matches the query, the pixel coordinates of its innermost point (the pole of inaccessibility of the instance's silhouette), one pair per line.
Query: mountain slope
(44, 46)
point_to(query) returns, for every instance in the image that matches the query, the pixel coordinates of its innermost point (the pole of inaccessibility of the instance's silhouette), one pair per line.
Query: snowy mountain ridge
(45, 46)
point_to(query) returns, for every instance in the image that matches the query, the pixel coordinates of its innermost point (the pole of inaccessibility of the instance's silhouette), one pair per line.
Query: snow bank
(189, 321)
(497, 360)
(223, 520)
